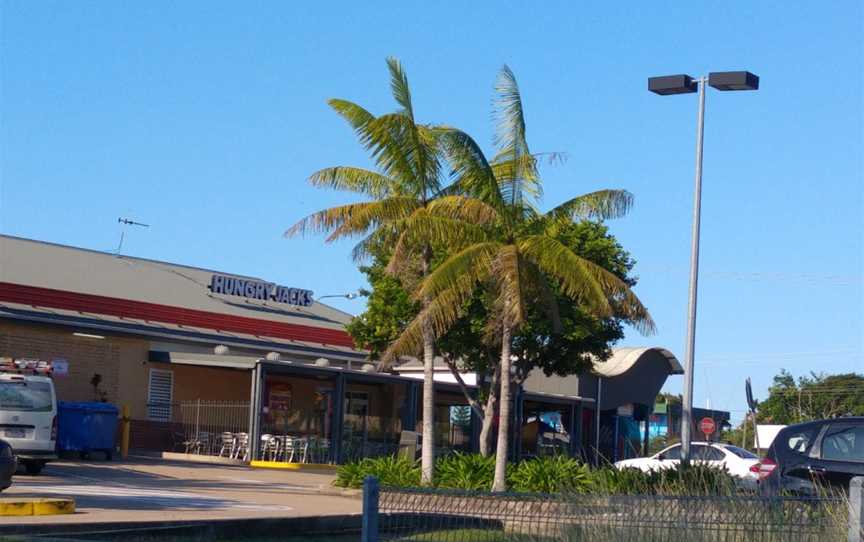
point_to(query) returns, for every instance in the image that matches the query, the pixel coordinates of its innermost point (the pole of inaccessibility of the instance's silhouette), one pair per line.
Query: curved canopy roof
(624, 359)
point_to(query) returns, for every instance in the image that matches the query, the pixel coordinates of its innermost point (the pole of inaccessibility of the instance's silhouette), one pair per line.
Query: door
(841, 453)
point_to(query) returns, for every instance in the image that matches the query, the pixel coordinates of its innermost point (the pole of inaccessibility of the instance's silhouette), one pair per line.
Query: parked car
(737, 461)
(8, 464)
(807, 455)
(28, 418)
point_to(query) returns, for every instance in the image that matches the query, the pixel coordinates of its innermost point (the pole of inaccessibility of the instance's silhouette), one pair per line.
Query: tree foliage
(812, 397)
(569, 350)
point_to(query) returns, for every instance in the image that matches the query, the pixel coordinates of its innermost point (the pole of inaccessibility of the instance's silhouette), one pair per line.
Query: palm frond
(423, 229)
(441, 313)
(468, 209)
(472, 173)
(602, 204)
(352, 219)
(517, 176)
(460, 272)
(508, 114)
(452, 291)
(364, 217)
(354, 179)
(356, 116)
(399, 86)
(599, 290)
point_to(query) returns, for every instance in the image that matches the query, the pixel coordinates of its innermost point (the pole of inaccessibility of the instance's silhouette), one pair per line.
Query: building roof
(60, 284)
(622, 360)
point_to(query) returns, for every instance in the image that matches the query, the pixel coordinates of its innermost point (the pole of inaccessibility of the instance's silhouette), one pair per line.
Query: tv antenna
(126, 222)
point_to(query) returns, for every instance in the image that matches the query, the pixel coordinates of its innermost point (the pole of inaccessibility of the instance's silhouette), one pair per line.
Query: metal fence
(459, 516)
(213, 427)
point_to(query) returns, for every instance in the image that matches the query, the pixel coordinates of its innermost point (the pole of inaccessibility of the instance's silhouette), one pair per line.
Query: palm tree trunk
(427, 448)
(427, 453)
(489, 414)
(500, 483)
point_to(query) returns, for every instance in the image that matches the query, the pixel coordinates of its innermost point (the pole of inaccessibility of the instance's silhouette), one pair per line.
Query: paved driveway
(153, 490)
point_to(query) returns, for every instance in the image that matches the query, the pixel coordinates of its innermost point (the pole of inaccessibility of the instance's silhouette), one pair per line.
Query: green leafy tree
(581, 339)
(510, 250)
(812, 397)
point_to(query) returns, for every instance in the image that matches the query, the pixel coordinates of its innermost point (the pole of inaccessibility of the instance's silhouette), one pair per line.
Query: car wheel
(34, 467)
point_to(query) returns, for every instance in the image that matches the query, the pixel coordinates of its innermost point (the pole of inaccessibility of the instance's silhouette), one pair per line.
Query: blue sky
(204, 119)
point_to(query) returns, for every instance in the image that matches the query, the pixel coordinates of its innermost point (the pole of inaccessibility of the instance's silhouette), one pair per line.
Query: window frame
(830, 430)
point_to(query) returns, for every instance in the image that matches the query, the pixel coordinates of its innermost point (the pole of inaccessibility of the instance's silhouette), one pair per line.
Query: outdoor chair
(295, 445)
(228, 443)
(241, 446)
(270, 447)
(198, 443)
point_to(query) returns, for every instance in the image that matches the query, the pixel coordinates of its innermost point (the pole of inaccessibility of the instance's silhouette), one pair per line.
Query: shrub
(391, 471)
(465, 471)
(683, 480)
(553, 474)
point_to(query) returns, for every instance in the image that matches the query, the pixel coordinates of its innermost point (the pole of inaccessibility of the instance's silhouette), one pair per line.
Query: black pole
(338, 420)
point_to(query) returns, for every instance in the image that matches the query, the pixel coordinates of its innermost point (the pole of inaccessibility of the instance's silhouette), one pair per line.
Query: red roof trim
(124, 308)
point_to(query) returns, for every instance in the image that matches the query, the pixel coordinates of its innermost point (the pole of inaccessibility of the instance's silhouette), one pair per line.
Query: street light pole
(684, 84)
(690, 347)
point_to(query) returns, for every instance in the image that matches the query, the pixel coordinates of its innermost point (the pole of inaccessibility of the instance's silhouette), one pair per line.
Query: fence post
(856, 509)
(370, 510)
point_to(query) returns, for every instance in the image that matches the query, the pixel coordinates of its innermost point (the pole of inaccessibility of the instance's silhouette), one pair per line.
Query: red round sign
(707, 426)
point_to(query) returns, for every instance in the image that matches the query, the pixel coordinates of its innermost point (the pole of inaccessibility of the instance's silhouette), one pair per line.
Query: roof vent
(322, 362)
(368, 368)
(273, 356)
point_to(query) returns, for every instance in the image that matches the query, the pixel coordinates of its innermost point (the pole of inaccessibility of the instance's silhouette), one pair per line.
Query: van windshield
(25, 396)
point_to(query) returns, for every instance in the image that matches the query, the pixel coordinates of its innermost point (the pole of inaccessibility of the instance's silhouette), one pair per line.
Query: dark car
(8, 464)
(807, 455)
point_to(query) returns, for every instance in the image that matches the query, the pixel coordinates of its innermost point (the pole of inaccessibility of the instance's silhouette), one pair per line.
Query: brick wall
(119, 360)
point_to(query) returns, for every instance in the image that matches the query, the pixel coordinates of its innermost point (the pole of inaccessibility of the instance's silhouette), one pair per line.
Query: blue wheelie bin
(86, 427)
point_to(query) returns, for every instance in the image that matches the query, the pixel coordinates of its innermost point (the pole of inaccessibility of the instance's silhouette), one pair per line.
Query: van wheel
(34, 467)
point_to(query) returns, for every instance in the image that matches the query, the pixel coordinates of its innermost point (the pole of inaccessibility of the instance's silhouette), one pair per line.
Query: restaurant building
(218, 363)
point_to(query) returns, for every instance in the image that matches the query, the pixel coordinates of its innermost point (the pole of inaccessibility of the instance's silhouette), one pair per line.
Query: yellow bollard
(124, 432)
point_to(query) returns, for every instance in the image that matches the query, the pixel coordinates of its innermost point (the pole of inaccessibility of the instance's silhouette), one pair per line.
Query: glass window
(706, 453)
(741, 452)
(799, 440)
(844, 444)
(672, 453)
(25, 396)
(713, 454)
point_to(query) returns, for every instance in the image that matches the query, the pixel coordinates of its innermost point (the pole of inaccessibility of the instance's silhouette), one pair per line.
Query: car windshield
(741, 452)
(25, 396)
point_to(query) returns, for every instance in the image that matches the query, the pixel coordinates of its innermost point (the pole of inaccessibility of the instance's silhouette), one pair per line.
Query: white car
(737, 461)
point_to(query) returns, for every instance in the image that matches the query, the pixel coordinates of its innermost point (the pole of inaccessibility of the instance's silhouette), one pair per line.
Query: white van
(28, 418)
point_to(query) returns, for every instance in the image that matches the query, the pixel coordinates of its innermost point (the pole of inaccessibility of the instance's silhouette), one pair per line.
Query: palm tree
(408, 158)
(509, 247)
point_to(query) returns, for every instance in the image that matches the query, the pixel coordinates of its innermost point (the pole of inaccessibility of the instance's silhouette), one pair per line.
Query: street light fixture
(684, 84)
(349, 295)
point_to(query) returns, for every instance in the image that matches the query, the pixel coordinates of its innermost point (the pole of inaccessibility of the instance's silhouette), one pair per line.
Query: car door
(840, 453)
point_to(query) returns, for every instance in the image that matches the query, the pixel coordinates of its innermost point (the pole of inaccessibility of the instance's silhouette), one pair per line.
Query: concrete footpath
(158, 491)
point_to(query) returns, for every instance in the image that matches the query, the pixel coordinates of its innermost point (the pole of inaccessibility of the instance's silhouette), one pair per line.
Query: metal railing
(457, 516)
(205, 426)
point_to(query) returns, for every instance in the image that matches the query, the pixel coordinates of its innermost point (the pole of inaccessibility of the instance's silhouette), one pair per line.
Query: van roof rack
(26, 366)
